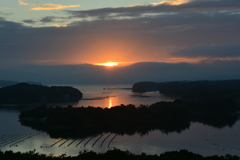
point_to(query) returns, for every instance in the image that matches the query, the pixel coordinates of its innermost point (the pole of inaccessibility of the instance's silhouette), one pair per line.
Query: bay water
(198, 138)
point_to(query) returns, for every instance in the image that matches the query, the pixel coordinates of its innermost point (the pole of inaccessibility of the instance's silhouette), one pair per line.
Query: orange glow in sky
(110, 102)
(107, 64)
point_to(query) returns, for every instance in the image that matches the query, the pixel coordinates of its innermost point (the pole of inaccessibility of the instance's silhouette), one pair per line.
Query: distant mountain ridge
(4, 83)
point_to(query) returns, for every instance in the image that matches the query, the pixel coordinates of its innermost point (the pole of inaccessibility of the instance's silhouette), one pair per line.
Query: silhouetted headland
(194, 90)
(146, 86)
(24, 93)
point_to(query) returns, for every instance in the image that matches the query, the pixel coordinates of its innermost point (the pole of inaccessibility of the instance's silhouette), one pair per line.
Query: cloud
(136, 5)
(29, 21)
(4, 24)
(59, 25)
(48, 19)
(23, 3)
(48, 6)
(163, 7)
(169, 2)
(5, 8)
(5, 14)
(109, 37)
(211, 51)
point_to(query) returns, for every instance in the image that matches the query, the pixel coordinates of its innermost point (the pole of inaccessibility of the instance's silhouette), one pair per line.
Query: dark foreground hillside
(114, 155)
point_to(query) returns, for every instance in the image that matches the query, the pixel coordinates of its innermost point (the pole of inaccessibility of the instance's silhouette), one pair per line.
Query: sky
(49, 35)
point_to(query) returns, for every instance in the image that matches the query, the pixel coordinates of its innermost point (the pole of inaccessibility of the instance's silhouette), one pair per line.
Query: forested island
(24, 93)
(114, 154)
(128, 119)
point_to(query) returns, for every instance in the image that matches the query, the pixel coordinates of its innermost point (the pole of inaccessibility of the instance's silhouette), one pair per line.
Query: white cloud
(48, 6)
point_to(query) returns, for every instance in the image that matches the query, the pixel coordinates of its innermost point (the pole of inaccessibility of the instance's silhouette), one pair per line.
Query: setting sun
(108, 64)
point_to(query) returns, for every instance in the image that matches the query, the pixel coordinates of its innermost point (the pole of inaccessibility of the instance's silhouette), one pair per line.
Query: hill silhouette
(4, 83)
(24, 93)
(194, 90)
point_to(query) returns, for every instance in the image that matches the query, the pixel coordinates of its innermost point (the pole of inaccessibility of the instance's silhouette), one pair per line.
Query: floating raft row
(11, 138)
(71, 143)
(14, 139)
(22, 140)
(64, 142)
(97, 140)
(84, 141)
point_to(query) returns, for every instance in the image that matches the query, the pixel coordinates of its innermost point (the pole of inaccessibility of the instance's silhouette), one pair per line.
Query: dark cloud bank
(145, 71)
(227, 50)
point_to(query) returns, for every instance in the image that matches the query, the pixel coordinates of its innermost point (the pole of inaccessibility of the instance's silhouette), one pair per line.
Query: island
(24, 93)
(128, 119)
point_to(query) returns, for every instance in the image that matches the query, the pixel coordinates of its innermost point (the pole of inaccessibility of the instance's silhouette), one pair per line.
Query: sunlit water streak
(105, 96)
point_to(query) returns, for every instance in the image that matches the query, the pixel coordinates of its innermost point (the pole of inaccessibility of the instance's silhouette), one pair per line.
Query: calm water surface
(198, 138)
(112, 95)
